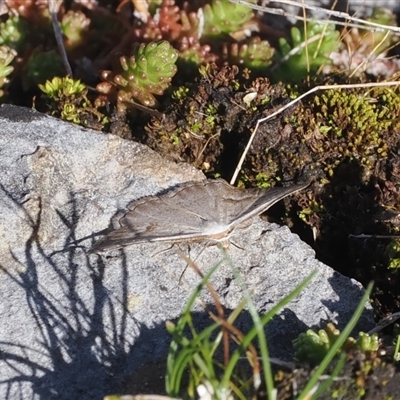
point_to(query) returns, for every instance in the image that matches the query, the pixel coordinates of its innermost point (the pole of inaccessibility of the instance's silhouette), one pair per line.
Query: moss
(330, 129)
(356, 125)
(349, 142)
(213, 119)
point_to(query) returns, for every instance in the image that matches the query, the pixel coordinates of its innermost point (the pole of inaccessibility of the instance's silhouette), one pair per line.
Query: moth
(195, 211)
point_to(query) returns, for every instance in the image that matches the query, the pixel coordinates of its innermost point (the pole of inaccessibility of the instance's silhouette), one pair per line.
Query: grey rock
(76, 325)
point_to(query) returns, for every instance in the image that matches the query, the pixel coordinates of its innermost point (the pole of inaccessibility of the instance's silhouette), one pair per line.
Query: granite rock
(76, 325)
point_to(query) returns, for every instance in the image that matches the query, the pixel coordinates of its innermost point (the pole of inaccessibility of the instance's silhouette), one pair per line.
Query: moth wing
(168, 217)
(192, 211)
(231, 206)
(262, 201)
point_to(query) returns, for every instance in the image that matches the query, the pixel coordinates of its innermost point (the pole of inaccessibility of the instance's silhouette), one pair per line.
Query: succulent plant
(192, 54)
(393, 254)
(222, 17)
(311, 347)
(256, 54)
(33, 10)
(13, 33)
(74, 25)
(67, 99)
(307, 52)
(7, 55)
(147, 72)
(58, 87)
(366, 342)
(170, 22)
(154, 5)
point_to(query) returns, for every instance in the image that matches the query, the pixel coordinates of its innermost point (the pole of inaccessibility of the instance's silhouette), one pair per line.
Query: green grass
(194, 361)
